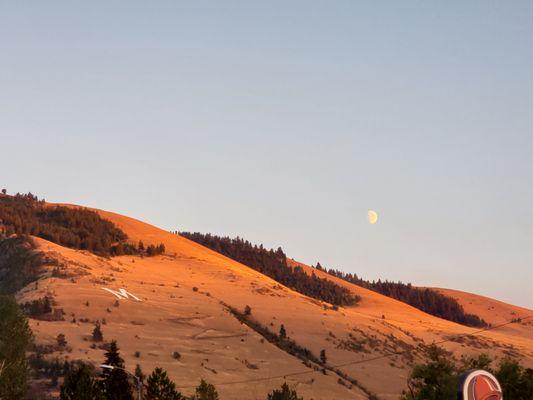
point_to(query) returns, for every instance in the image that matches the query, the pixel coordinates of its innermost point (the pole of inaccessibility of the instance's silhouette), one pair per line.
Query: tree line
(427, 300)
(273, 263)
(77, 228)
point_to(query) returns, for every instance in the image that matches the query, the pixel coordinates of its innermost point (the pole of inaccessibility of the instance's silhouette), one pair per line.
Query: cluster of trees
(20, 263)
(438, 378)
(427, 300)
(150, 250)
(77, 228)
(83, 383)
(274, 264)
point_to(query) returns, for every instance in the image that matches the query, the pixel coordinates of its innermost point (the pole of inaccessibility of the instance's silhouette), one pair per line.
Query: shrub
(61, 340)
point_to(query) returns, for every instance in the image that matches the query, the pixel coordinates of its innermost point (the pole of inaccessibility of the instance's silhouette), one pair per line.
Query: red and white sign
(479, 385)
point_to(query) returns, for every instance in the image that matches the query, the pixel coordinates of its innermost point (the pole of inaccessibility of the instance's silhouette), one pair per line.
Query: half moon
(372, 217)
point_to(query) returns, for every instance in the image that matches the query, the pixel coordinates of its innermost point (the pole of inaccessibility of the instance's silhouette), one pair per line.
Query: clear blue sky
(283, 122)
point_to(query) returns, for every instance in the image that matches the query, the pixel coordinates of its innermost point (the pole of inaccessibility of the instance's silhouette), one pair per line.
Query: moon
(372, 217)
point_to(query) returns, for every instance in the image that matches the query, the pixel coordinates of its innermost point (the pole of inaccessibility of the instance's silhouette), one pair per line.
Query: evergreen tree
(160, 387)
(282, 332)
(323, 357)
(15, 337)
(98, 336)
(115, 383)
(80, 384)
(205, 391)
(285, 393)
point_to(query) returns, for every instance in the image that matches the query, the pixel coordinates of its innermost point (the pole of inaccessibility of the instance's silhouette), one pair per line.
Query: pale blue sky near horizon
(284, 122)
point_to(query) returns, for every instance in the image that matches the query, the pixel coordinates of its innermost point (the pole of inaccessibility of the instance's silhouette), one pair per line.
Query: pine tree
(205, 391)
(116, 384)
(160, 387)
(285, 393)
(80, 384)
(323, 357)
(98, 336)
(282, 332)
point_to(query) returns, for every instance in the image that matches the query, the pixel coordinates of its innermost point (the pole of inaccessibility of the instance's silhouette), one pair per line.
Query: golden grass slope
(182, 310)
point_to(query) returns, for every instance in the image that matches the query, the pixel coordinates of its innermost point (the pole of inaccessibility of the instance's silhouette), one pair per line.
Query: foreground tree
(80, 384)
(285, 393)
(115, 383)
(160, 387)
(436, 380)
(205, 391)
(15, 337)
(516, 381)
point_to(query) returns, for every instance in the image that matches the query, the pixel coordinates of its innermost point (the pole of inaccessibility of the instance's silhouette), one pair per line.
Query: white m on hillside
(122, 294)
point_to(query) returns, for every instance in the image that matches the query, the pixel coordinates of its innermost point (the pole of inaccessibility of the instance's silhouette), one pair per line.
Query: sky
(283, 122)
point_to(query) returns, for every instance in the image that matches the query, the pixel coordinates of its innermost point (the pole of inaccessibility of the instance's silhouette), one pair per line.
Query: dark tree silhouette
(115, 381)
(81, 384)
(285, 393)
(323, 357)
(205, 391)
(282, 332)
(160, 387)
(97, 336)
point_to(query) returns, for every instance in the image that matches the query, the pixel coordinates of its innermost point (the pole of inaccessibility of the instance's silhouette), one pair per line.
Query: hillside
(184, 297)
